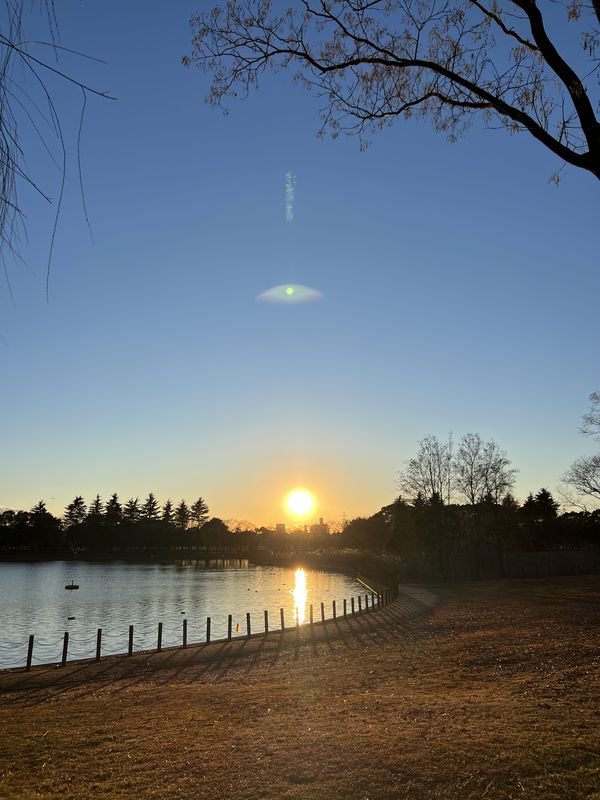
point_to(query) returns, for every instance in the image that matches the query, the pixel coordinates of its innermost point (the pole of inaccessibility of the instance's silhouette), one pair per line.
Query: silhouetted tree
(182, 515)
(199, 512)
(96, 509)
(151, 509)
(542, 507)
(584, 474)
(591, 419)
(74, 513)
(167, 513)
(44, 527)
(367, 533)
(509, 502)
(372, 61)
(481, 469)
(131, 511)
(429, 473)
(215, 532)
(113, 511)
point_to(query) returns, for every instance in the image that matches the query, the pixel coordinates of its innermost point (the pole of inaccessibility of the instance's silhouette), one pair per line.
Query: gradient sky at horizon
(460, 293)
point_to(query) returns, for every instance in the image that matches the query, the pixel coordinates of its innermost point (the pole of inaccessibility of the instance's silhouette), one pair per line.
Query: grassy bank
(494, 691)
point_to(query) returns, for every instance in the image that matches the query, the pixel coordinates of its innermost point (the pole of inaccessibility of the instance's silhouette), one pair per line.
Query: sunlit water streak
(114, 595)
(300, 595)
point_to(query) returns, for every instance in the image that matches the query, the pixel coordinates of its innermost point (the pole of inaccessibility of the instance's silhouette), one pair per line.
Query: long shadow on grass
(216, 660)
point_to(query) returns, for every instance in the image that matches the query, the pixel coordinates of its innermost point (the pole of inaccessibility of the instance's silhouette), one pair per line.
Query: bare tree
(584, 473)
(429, 472)
(371, 61)
(591, 419)
(482, 470)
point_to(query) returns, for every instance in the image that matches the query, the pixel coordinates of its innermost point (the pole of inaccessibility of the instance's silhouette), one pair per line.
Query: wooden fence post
(229, 624)
(359, 605)
(159, 637)
(248, 631)
(184, 638)
(333, 606)
(282, 619)
(372, 600)
(98, 644)
(352, 605)
(29, 653)
(130, 645)
(266, 621)
(65, 649)
(322, 612)
(345, 607)
(208, 629)
(311, 614)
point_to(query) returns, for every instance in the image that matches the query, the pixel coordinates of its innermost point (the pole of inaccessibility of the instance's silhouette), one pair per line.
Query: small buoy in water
(70, 617)
(182, 612)
(237, 628)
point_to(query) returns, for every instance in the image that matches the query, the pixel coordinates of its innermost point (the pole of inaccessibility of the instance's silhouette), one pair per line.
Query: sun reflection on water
(300, 595)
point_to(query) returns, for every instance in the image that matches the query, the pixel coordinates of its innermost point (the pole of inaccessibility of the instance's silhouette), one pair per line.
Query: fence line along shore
(360, 604)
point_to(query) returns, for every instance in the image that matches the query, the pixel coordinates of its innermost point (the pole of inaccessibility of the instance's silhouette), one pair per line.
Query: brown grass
(492, 693)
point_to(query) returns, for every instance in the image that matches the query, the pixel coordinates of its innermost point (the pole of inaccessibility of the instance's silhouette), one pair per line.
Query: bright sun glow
(299, 502)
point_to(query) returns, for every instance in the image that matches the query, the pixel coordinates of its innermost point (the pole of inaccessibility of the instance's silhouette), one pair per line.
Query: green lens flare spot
(289, 293)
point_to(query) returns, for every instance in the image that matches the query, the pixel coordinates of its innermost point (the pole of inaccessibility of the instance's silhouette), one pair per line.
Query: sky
(459, 293)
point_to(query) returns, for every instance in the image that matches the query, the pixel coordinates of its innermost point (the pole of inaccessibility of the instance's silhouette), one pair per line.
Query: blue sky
(460, 291)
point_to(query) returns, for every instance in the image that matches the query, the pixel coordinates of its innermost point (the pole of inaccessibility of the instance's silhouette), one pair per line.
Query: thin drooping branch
(19, 109)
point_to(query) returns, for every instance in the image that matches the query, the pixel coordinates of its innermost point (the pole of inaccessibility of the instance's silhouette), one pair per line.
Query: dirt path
(492, 692)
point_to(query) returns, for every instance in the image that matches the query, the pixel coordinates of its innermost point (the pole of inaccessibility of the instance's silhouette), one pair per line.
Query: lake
(115, 595)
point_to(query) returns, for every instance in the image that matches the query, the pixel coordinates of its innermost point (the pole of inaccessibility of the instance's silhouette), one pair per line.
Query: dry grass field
(485, 690)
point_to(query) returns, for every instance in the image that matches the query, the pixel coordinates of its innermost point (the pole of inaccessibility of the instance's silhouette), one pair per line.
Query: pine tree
(114, 510)
(96, 509)
(182, 515)
(74, 512)
(199, 512)
(167, 512)
(131, 511)
(150, 509)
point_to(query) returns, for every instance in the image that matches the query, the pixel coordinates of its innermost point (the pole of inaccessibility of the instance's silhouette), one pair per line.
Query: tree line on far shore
(428, 536)
(103, 526)
(455, 517)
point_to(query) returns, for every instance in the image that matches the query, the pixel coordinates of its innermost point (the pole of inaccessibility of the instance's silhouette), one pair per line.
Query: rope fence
(146, 638)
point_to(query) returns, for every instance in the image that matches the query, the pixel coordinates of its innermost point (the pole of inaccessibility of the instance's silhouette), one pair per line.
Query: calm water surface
(115, 595)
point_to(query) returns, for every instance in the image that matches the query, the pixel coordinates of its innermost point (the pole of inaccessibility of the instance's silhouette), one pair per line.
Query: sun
(299, 502)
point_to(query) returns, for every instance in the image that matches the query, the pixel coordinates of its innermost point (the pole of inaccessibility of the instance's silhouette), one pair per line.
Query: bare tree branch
(376, 60)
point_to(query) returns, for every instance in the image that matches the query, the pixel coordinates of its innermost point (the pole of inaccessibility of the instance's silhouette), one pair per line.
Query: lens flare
(290, 194)
(289, 293)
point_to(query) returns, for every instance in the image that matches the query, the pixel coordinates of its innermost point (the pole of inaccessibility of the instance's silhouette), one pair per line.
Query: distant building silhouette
(280, 527)
(321, 529)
